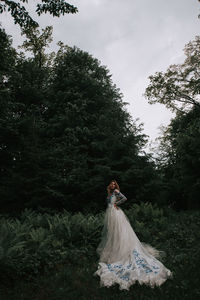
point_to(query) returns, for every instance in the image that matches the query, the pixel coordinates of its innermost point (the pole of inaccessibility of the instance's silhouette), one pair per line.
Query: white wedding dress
(123, 258)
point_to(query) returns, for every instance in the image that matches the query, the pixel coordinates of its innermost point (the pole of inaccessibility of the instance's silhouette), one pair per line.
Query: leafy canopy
(179, 87)
(66, 132)
(22, 17)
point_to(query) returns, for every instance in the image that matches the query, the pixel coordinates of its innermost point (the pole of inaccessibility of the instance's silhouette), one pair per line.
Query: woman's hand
(115, 205)
(116, 190)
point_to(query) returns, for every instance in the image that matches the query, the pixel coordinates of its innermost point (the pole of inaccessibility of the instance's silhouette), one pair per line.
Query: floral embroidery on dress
(143, 265)
(119, 269)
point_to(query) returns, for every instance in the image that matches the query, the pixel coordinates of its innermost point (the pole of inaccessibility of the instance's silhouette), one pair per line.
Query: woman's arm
(120, 197)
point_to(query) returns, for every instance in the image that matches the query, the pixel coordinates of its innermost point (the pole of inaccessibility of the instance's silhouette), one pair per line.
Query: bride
(123, 258)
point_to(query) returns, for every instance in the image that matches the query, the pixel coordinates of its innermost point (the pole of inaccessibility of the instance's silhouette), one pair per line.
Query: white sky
(133, 38)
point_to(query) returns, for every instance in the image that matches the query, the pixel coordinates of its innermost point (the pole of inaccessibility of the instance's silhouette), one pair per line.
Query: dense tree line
(65, 132)
(179, 150)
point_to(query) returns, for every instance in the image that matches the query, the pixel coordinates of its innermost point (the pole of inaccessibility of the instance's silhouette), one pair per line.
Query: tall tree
(180, 147)
(37, 43)
(22, 104)
(93, 133)
(178, 88)
(67, 134)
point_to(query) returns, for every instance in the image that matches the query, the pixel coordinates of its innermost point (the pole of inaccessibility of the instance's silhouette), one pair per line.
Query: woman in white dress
(123, 258)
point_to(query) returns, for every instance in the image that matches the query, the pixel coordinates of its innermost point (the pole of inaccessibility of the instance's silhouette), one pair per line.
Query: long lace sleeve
(120, 198)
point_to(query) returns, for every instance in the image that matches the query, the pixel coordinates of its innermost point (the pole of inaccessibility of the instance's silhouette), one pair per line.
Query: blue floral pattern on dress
(141, 263)
(123, 270)
(119, 269)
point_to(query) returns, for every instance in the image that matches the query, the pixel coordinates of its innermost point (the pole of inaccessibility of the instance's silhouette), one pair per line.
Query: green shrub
(62, 244)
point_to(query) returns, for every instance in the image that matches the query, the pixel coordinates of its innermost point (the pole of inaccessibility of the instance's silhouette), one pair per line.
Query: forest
(65, 133)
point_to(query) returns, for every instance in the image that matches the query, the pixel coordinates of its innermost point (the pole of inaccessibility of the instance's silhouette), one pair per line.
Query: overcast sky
(133, 38)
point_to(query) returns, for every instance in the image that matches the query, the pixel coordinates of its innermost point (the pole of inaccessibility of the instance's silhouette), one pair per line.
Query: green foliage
(20, 122)
(178, 88)
(96, 138)
(181, 149)
(55, 254)
(22, 17)
(66, 133)
(39, 240)
(37, 44)
(7, 56)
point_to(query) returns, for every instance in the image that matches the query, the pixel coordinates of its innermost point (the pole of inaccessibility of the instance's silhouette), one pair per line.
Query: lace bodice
(117, 198)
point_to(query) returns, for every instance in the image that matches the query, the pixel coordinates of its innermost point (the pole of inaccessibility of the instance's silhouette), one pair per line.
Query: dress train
(123, 258)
